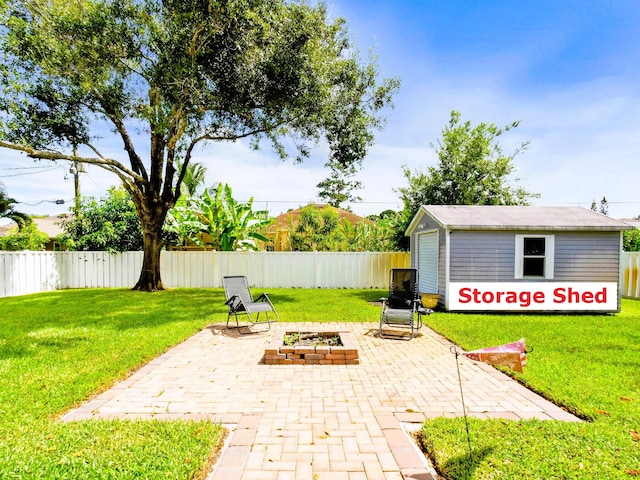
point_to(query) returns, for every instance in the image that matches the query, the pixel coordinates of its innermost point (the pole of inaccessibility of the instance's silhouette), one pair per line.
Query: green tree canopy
(109, 223)
(339, 187)
(631, 240)
(183, 73)
(324, 228)
(472, 170)
(604, 206)
(317, 229)
(26, 238)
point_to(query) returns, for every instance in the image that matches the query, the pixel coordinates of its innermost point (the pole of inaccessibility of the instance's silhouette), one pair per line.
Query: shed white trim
(549, 256)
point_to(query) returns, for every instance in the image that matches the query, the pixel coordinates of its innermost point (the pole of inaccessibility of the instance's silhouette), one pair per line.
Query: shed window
(534, 256)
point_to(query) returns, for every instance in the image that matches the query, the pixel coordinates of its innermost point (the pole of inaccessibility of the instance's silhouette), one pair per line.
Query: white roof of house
(507, 217)
(52, 225)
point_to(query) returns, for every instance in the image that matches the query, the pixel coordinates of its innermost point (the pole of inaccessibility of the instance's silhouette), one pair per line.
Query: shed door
(428, 262)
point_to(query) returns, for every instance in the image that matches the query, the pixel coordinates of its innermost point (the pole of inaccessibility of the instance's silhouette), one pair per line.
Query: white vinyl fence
(31, 272)
(630, 274)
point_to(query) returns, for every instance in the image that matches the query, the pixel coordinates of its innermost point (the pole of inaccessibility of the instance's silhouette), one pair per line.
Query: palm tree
(7, 210)
(193, 178)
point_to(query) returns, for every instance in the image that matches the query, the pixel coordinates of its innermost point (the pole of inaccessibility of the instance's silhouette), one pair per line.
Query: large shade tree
(472, 169)
(182, 72)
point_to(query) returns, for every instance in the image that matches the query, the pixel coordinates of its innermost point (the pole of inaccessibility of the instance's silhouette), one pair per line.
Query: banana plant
(232, 225)
(183, 223)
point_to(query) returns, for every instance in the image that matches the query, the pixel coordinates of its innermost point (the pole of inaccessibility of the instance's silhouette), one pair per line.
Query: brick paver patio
(315, 422)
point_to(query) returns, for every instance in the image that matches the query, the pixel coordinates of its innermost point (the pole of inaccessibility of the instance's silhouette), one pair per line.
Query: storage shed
(518, 258)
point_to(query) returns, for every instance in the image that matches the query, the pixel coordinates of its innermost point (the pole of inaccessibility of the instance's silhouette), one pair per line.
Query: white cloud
(583, 131)
(583, 137)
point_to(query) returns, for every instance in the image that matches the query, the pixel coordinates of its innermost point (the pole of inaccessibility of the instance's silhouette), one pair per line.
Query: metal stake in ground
(455, 351)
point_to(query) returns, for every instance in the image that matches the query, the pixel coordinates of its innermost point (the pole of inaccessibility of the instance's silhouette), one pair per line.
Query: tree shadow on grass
(463, 467)
(63, 320)
(370, 296)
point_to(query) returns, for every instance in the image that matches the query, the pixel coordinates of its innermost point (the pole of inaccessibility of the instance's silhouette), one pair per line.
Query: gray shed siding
(442, 265)
(490, 256)
(481, 256)
(587, 257)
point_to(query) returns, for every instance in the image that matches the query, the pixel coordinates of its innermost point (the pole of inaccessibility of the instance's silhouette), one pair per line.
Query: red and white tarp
(512, 355)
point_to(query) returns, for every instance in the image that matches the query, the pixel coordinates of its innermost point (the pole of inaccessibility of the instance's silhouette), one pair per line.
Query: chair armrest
(231, 299)
(234, 302)
(263, 296)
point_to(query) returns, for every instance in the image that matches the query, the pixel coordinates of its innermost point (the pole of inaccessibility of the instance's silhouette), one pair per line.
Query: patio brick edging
(276, 353)
(412, 462)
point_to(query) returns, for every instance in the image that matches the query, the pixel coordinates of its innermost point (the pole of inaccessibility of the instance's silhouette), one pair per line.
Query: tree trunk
(150, 280)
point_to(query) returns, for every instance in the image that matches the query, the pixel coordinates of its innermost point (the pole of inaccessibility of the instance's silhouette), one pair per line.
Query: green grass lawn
(589, 364)
(61, 348)
(58, 349)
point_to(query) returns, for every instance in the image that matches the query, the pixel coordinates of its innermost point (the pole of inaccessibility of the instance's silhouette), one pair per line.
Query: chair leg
(412, 326)
(250, 323)
(268, 322)
(237, 326)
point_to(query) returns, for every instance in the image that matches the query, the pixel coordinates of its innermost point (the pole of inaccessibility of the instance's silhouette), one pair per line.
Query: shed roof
(508, 217)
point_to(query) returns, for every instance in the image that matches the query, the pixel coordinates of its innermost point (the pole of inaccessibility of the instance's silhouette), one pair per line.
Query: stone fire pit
(344, 353)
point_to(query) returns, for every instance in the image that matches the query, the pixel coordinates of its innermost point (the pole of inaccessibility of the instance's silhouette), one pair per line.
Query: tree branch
(238, 136)
(106, 163)
(136, 161)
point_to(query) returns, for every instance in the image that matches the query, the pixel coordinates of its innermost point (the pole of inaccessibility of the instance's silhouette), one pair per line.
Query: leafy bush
(631, 240)
(109, 223)
(323, 230)
(28, 238)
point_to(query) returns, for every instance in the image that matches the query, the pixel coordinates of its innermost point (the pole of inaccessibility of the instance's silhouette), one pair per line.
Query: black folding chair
(242, 304)
(403, 308)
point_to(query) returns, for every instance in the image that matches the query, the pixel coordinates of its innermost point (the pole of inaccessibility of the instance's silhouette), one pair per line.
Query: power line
(42, 170)
(22, 168)
(33, 204)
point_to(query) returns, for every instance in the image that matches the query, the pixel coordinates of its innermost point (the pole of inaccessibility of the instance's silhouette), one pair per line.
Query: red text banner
(512, 296)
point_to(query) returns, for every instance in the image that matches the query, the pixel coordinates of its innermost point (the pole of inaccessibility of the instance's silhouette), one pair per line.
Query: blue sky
(568, 71)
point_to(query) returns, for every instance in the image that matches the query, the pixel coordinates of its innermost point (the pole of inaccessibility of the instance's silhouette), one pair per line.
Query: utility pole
(78, 168)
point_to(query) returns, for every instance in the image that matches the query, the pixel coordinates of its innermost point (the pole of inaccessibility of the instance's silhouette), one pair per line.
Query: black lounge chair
(403, 308)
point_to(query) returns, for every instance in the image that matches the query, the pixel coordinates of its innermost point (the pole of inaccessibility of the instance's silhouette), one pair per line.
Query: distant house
(51, 226)
(634, 222)
(515, 258)
(279, 231)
